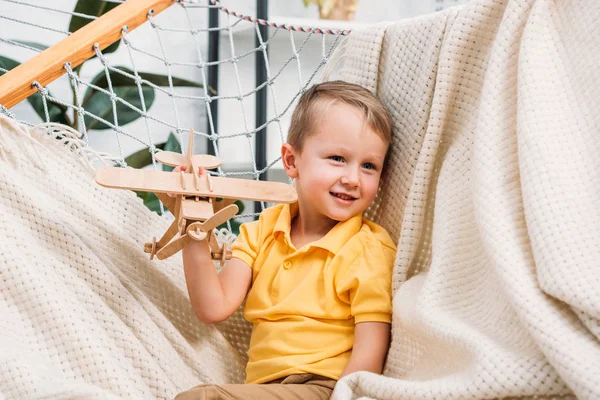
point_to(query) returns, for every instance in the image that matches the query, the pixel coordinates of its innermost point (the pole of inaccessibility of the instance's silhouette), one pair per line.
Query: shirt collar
(333, 241)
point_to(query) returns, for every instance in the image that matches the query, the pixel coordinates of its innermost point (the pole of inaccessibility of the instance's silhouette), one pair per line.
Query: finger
(201, 171)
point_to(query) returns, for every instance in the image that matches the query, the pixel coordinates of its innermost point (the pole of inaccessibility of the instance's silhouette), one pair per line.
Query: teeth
(343, 196)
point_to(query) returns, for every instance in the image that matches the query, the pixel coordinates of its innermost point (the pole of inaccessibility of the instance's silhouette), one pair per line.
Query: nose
(350, 177)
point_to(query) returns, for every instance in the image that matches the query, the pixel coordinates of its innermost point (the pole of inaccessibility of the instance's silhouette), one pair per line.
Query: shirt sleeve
(246, 245)
(367, 283)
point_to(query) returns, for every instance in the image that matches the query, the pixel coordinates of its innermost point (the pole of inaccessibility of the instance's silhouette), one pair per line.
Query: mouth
(343, 196)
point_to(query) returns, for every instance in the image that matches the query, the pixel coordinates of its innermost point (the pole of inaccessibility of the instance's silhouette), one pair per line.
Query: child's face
(337, 172)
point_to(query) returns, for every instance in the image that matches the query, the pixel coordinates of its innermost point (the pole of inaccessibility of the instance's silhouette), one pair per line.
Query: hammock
(492, 192)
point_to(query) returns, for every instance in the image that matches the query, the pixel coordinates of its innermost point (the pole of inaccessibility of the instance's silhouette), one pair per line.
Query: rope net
(142, 94)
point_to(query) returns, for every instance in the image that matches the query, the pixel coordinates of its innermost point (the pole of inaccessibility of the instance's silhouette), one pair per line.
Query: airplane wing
(170, 158)
(175, 159)
(169, 182)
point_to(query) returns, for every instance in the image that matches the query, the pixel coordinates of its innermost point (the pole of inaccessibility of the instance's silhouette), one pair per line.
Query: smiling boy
(316, 274)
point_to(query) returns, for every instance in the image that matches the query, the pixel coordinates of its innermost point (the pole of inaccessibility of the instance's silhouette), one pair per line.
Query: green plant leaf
(124, 87)
(172, 144)
(240, 205)
(93, 8)
(235, 226)
(141, 158)
(35, 45)
(153, 203)
(150, 201)
(7, 63)
(141, 195)
(57, 112)
(99, 104)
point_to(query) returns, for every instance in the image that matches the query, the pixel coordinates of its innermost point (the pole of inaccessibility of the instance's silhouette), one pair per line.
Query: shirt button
(287, 265)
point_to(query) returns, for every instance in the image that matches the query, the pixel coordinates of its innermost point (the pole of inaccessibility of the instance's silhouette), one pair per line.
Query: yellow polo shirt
(303, 303)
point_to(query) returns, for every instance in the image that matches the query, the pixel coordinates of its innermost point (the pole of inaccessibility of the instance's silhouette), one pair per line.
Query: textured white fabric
(493, 191)
(84, 312)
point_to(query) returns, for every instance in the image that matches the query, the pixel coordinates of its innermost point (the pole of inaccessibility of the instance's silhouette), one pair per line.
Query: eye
(369, 166)
(336, 158)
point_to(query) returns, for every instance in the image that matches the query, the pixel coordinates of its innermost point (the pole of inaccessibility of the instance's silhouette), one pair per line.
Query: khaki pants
(293, 387)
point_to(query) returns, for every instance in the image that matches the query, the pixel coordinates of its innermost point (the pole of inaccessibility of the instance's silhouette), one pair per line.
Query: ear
(288, 158)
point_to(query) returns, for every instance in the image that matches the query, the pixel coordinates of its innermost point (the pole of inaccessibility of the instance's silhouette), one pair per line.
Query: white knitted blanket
(493, 191)
(84, 313)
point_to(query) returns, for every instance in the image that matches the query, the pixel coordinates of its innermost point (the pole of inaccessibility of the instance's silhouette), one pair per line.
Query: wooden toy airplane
(193, 198)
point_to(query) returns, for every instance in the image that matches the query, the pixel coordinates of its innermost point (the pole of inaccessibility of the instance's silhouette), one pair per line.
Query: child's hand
(180, 168)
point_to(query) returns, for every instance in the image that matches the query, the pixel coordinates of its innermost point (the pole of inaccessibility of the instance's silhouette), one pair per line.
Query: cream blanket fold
(84, 313)
(493, 191)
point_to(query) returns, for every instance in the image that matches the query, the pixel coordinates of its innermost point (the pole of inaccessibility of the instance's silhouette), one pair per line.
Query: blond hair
(304, 116)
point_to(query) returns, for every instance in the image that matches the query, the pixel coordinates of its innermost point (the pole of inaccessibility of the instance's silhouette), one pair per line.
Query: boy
(317, 276)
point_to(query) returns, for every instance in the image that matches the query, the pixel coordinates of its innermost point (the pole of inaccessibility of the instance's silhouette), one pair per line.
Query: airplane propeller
(198, 231)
